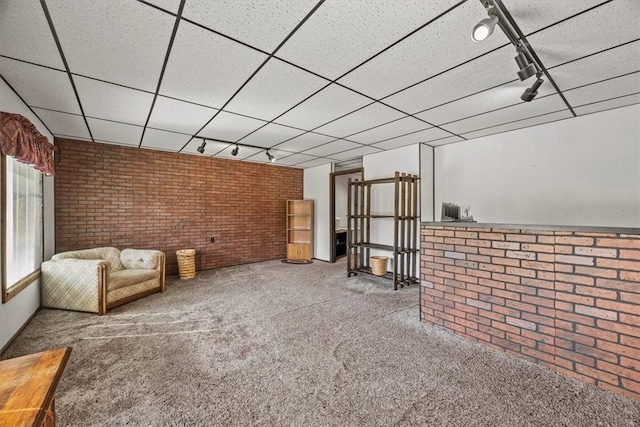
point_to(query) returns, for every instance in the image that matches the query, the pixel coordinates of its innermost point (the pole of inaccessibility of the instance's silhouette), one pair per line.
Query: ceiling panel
(206, 68)
(363, 119)
(326, 105)
(489, 100)
(445, 141)
(607, 89)
(304, 142)
(612, 63)
(601, 28)
(413, 138)
(294, 159)
(40, 86)
(170, 5)
(162, 140)
(116, 133)
(316, 162)
(609, 104)
(396, 128)
(276, 88)
(70, 125)
(356, 152)
(493, 69)
(520, 124)
(271, 135)
(263, 24)
(520, 111)
(343, 34)
(31, 42)
(179, 116)
(110, 102)
(534, 15)
(331, 148)
(424, 54)
(89, 31)
(230, 127)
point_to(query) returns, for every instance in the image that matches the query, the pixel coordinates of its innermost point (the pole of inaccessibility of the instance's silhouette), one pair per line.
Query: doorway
(338, 188)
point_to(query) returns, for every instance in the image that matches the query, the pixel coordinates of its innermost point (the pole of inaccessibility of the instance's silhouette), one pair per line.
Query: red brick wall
(569, 301)
(107, 195)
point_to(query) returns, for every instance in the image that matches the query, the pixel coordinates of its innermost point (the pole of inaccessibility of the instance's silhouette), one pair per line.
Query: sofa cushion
(139, 258)
(109, 254)
(127, 277)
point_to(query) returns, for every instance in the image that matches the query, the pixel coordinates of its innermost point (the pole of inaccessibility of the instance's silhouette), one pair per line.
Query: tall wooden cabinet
(300, 230)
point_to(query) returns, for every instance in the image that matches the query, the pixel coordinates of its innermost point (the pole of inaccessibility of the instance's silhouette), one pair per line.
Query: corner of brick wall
(569, 301)
(107, 195)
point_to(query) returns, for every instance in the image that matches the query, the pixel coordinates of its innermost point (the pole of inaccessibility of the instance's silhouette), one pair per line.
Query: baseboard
(6, 346)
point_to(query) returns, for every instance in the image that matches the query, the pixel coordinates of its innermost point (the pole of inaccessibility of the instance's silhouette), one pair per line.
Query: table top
(28, 385)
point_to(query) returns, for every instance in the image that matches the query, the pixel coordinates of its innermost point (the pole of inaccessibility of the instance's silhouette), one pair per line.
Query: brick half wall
(569, 301)
(108, 195)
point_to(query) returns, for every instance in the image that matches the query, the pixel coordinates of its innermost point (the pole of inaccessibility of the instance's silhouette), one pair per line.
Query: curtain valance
(20, 139)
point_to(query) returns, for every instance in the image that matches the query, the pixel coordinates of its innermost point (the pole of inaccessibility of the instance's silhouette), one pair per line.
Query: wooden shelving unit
(300, 230)
(404, 250)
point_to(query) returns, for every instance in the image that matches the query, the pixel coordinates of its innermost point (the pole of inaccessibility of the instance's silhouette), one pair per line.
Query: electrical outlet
(213, 239)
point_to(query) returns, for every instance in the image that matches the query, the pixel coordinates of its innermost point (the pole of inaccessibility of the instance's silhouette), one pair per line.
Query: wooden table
(27, 386)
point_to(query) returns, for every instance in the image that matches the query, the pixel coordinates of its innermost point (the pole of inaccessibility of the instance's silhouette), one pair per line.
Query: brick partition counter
(566, 300)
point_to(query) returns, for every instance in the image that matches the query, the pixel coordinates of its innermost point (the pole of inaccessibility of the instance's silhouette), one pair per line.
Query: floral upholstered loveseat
(95, 280)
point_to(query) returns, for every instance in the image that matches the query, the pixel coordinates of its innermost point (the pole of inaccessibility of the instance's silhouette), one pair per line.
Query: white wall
(426, 182)
(17, 311)
(580, 171)
(316, 188)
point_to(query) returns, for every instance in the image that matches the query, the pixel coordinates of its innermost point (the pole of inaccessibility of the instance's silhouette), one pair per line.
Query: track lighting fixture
(270, 156)
(484, 28)
(201, 147)
(531, 92)
(527, 69)
(234, 152)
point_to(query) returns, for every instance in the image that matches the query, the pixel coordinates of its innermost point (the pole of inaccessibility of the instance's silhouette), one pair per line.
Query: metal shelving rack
(405, 247)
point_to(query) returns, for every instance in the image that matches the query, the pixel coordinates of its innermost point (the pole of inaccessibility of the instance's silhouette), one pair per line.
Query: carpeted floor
(279, 344)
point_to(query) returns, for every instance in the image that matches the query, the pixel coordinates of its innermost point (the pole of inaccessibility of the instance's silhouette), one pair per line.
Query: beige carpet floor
(300, 345)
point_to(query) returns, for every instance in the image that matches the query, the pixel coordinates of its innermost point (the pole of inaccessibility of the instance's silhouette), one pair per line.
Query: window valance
(20, 139)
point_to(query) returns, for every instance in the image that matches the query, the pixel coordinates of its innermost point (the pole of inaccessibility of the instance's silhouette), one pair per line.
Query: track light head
(270, 156)
(530, 93)
(201, 147)
(527, 69)
(484, 28)
(234, 152)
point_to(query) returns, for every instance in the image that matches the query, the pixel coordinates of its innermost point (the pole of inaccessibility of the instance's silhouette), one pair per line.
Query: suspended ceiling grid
(314, 82)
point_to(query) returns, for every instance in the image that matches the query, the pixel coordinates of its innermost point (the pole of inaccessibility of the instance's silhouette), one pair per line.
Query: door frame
(332, 207)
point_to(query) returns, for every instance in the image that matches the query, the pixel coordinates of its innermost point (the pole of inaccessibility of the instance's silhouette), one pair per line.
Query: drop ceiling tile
(169, 5)
(534, 15)
(111, 102)
(211, 149)
(489, 100)
(115, 133)
(70, 125)
(271, 135)
(331, 148)
(326, 105)
(40, 86)
(620, 86)
(294, 159)
(394, 129)
(356, 152)
(206, 68)
(31, 42)
(120, 42)
(363, 119)
(606, 26)
(612, 63)
(608, 105)
(161, 140)
(343, 34)
(312, 163)
(230, 127)
(276, 88)
(263, 24)
(424, 54)
(179, 116)
(426, 135)
(445, 141)
(521, 111)
(304, 142)
(534, 121)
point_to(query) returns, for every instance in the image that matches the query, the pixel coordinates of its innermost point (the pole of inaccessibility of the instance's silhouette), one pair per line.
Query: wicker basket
(186, 263)
(378, 265)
